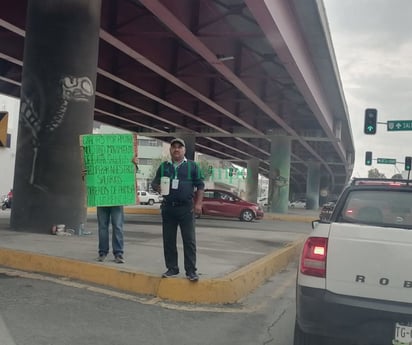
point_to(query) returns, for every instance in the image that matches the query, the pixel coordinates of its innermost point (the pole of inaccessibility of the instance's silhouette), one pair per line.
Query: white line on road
(5, 336)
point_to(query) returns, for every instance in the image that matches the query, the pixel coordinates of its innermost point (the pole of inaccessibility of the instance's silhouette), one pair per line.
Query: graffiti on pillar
(276, 183)
(33, 112)
(72, 89)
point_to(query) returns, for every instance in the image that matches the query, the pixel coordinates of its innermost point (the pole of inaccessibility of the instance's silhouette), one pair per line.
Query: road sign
(399, 125)
(386, 161)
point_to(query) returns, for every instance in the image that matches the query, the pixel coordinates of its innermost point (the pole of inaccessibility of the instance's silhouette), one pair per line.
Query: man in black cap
(180, 204)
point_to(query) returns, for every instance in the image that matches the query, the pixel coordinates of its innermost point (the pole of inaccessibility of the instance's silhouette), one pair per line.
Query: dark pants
(173, 217)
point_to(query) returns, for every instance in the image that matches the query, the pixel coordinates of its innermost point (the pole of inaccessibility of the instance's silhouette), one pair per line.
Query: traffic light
(368, 158)
(371, 117)
(408, 163)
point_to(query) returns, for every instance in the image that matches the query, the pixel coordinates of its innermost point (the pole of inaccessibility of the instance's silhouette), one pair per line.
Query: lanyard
(176, 166)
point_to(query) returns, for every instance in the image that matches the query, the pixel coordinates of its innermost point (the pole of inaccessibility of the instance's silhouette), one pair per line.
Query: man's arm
(156, 180)
(198, 201)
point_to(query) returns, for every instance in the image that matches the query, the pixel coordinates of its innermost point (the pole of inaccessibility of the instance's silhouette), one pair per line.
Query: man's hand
(198, 201)
(198, 208)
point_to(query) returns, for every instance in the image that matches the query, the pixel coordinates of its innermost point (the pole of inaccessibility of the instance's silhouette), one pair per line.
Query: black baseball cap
(177, 140)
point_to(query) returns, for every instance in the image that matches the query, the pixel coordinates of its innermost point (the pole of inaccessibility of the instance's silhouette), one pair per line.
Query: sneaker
(170, 273)
(101, 257)
(192, 276)
(119, 259)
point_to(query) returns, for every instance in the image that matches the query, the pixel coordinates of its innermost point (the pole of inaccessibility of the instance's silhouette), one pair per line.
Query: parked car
(301, 203)
(352, 283)
(149, 198)
(225, 204)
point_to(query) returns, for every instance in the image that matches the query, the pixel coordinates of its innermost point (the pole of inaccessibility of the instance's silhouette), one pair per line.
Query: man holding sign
(111, 183)
(180, 181)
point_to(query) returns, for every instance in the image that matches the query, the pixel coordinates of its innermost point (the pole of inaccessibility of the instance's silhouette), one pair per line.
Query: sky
(372, 40)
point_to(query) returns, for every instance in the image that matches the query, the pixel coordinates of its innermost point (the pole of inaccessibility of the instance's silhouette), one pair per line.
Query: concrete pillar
(279, 173)
(57, 105)
(313, 186)
(252, 180)
(190, 141)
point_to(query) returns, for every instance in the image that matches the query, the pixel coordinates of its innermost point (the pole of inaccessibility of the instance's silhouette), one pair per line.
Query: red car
(225, 204)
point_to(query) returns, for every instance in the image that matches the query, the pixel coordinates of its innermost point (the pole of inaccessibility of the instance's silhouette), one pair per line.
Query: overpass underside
(233, 73)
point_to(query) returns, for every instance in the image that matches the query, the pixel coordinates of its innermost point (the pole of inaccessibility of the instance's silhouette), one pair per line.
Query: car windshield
(380, 207)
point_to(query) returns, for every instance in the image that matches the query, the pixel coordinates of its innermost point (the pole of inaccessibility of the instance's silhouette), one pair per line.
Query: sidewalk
(231, 262)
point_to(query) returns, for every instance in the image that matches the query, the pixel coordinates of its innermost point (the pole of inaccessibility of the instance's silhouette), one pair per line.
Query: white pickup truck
(148, 198)
(354, 280)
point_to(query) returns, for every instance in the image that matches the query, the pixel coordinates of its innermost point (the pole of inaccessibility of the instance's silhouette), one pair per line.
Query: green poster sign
(110, 174)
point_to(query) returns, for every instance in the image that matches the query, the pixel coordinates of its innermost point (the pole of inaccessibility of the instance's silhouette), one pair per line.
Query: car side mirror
(315, 223)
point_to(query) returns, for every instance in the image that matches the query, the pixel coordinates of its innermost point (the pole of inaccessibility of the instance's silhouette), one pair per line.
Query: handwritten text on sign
(111, 176)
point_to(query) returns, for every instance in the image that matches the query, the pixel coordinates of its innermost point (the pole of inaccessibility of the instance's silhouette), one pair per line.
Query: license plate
(403, 334)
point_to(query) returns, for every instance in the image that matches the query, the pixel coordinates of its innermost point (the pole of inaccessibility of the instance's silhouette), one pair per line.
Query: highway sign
(399, 125)
(386, 161)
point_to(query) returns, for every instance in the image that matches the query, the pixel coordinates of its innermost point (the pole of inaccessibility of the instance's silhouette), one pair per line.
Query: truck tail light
(313, 261)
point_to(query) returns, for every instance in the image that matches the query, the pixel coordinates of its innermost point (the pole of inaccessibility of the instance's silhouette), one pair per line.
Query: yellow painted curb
(229, 289)
(232, 287)
(132, 210)
(85, 271)
(290, 217)
(267, 216)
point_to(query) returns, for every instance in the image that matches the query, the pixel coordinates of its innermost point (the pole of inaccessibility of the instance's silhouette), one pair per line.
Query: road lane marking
(5, 336)
(235, 308)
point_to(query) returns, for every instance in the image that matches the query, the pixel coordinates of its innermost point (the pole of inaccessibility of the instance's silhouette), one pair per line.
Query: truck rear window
(389, 208)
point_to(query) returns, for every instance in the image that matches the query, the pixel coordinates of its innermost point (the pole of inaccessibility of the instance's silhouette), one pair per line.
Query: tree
(397, 176)
(374, 173)
(206, 168)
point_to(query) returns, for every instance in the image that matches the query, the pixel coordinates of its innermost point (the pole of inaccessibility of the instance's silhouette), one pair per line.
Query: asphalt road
(41, 310)
(223, 223)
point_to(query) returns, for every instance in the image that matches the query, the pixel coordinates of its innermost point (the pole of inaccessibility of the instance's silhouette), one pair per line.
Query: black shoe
(192, 276)
(170, 273)
(119, 259)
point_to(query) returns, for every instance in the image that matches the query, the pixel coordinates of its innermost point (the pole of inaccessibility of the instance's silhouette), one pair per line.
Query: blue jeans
(104, 214)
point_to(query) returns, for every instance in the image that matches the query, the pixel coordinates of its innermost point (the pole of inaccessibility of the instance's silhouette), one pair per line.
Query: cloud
(373, 48)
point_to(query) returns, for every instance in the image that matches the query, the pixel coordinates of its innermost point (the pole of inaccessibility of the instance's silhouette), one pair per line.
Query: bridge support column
(313, 186)
(57, 105)
(252, 180)
(279, 173)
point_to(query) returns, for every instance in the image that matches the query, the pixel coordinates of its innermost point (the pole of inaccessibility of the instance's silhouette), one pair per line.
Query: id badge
(175, 184)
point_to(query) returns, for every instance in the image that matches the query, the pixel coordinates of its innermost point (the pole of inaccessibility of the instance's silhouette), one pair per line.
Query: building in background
(8, 151)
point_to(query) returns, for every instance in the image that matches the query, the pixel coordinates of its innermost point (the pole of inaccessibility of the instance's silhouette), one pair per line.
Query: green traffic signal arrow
(370, 128)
